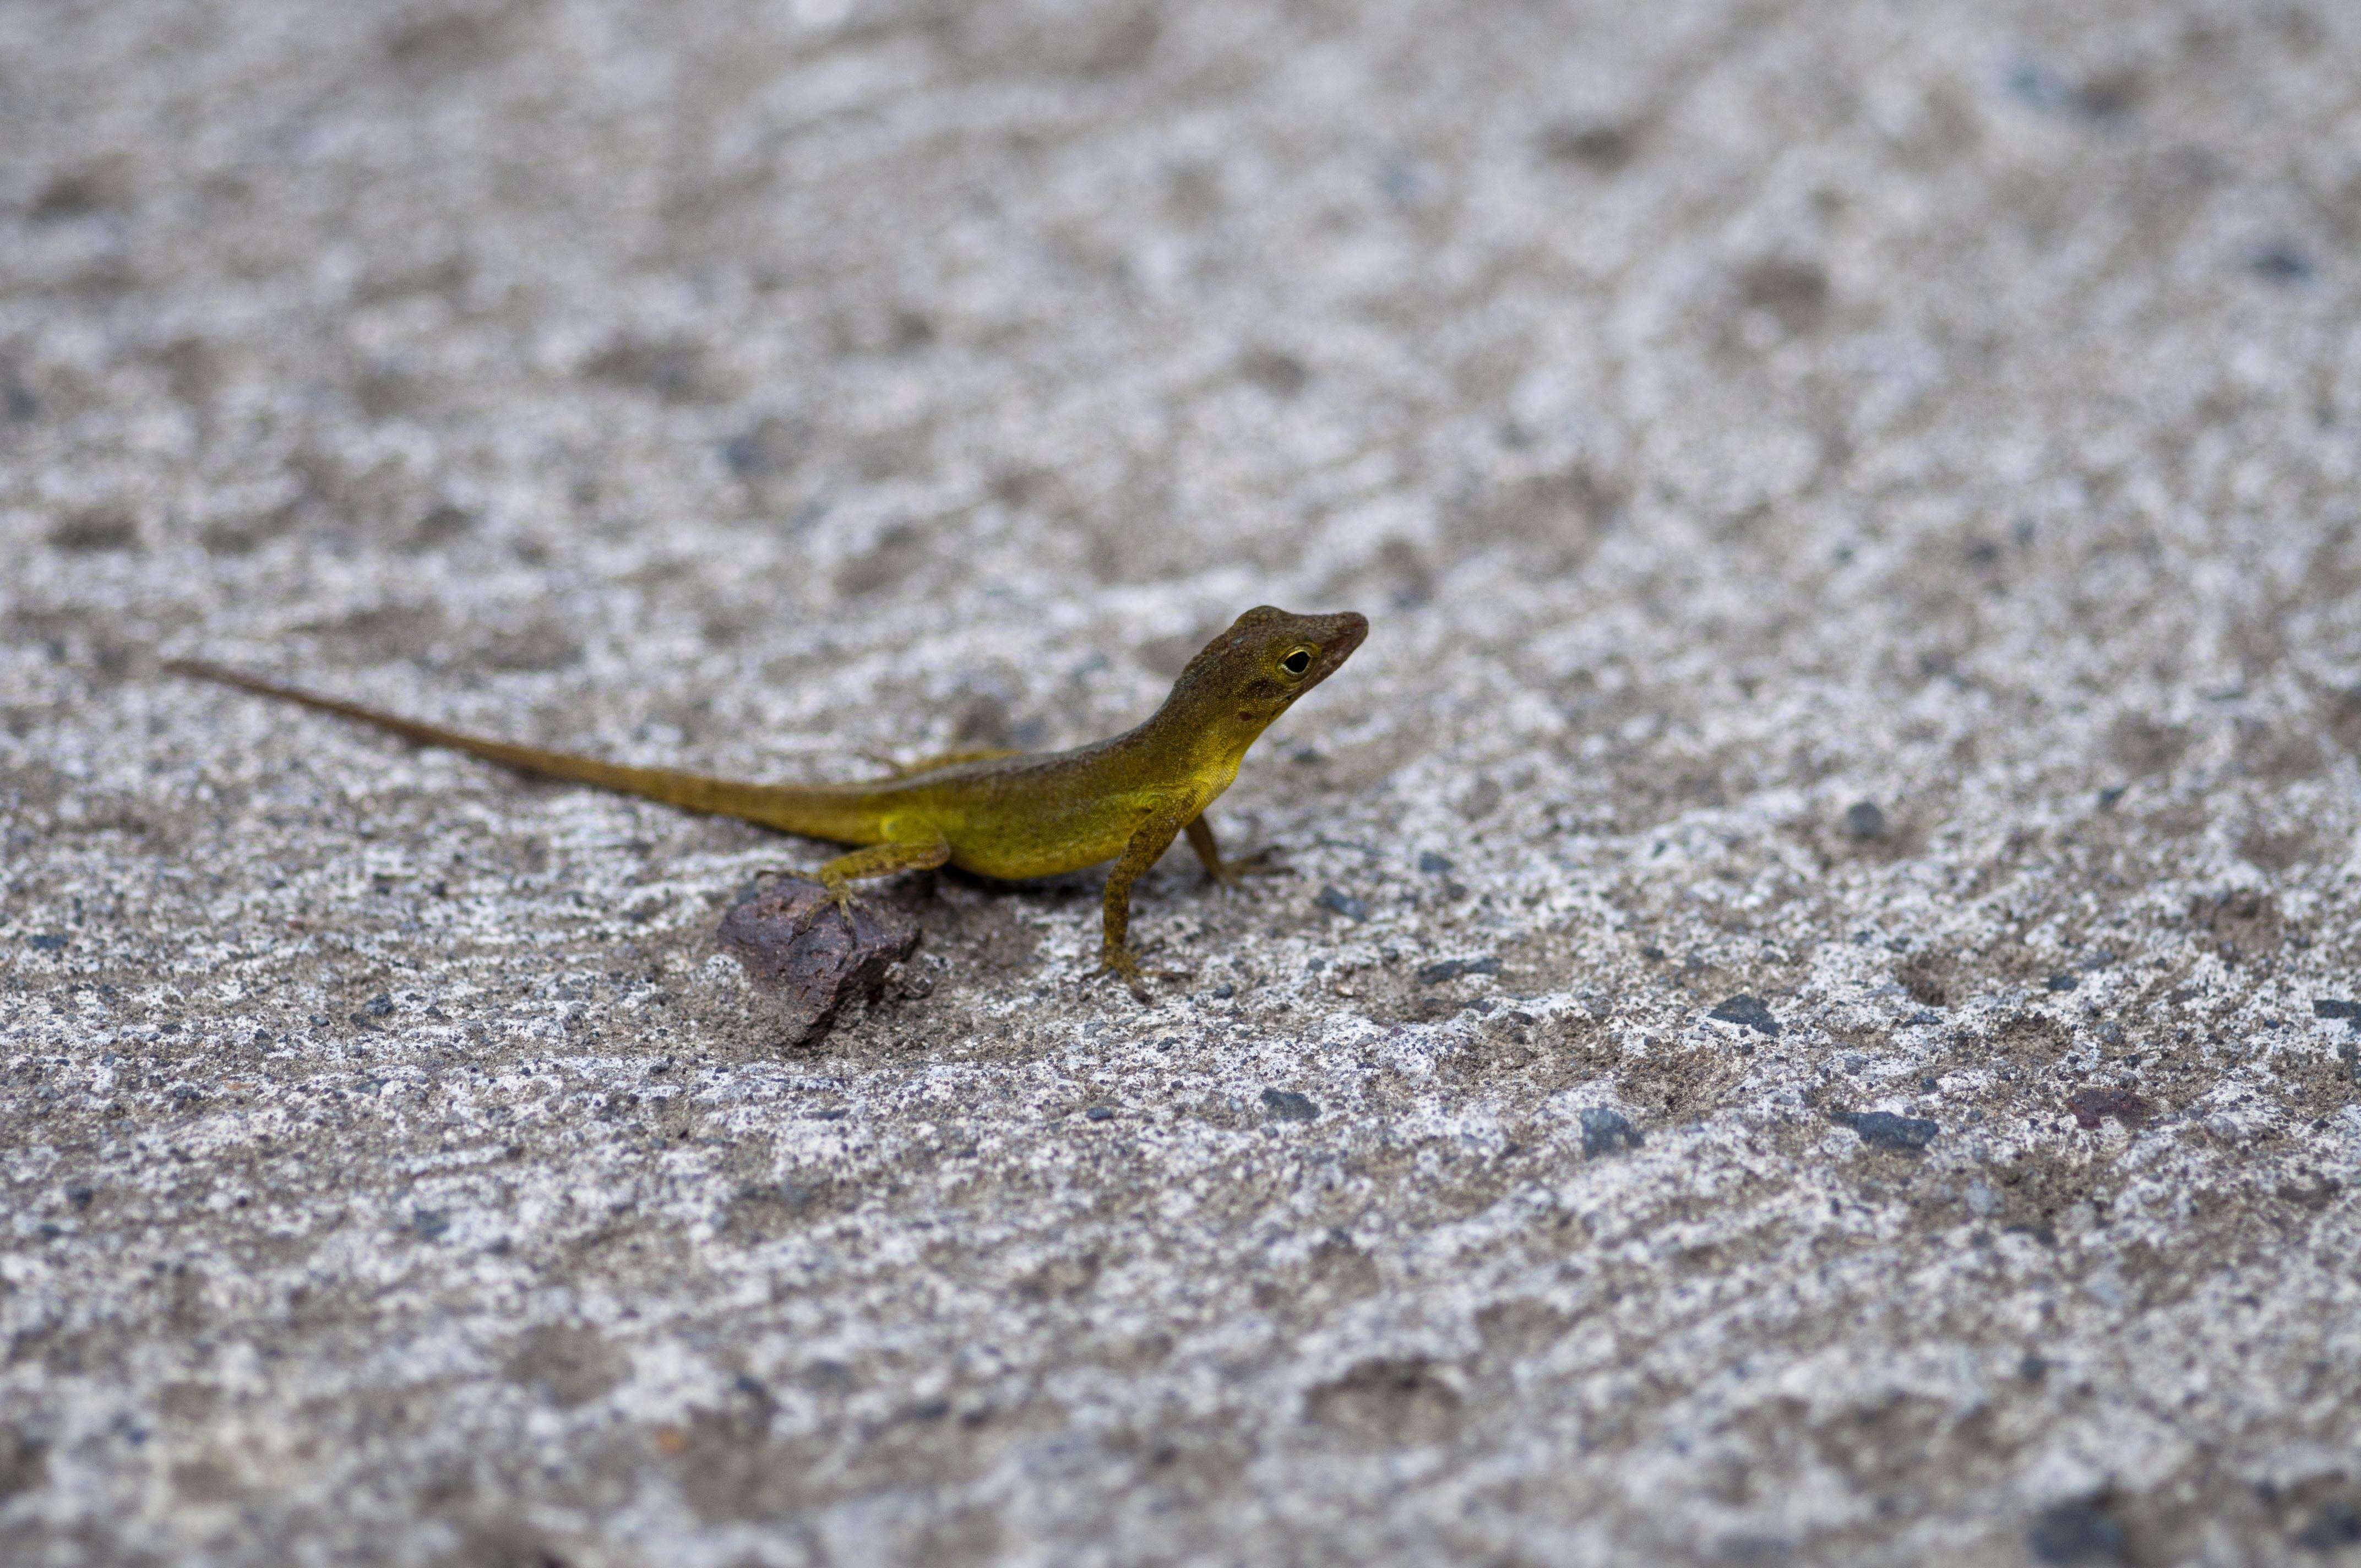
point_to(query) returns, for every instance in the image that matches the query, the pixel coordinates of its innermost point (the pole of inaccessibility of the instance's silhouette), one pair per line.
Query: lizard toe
(1125, 966)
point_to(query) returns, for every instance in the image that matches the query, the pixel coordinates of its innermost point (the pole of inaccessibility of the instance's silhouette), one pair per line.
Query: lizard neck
(1194, 740)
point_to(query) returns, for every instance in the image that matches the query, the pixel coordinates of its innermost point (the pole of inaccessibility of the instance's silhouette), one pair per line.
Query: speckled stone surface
(1807, 1006)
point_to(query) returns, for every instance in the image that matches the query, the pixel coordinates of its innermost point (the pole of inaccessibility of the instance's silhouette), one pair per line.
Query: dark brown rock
(793, 939)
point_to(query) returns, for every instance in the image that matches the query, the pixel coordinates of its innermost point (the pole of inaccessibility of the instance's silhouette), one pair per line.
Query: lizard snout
(1341, 634)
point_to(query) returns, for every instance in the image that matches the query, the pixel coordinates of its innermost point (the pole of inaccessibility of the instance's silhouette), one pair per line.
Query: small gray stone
(1864, 821)
(1606, 1132)
(1748, 1012)
(1338, 901)
(2282, 264)
(2337, 1525)
(1443, 969)
(1286, 1105)
(1883, 1129)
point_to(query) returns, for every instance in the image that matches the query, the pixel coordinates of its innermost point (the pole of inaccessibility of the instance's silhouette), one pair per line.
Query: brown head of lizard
(1245, 678)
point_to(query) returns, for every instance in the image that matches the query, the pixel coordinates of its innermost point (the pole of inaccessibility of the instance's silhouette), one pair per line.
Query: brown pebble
(792, 938)
(2091, 1106)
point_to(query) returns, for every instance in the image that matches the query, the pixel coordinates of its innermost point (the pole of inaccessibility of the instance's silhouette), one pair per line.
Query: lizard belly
(1016, 845)
(1014, 857)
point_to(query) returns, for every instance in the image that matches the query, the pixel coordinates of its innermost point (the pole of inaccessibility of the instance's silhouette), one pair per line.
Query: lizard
(1003, 815)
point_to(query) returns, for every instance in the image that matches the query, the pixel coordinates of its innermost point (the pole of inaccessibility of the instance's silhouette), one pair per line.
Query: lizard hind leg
(880, 860)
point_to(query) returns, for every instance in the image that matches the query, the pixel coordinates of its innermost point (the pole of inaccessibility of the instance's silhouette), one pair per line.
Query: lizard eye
(1295, 664)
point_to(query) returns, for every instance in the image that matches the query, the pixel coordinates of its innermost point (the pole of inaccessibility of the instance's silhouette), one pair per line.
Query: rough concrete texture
(1806, 1012)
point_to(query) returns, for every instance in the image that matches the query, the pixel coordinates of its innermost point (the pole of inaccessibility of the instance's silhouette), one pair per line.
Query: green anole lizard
(998, 813)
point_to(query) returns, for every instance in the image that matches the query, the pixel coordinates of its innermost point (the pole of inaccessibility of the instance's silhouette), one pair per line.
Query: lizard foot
(1124, 965)
(1236, 869)
(838, 894)
(841, 894)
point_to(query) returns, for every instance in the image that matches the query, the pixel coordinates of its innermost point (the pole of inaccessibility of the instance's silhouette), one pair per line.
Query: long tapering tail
(836, 813)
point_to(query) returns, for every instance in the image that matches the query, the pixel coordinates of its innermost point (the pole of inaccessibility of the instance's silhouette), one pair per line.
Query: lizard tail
(817, 811)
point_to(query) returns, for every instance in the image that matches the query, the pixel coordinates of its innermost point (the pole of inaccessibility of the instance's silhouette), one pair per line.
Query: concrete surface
(1858, 504)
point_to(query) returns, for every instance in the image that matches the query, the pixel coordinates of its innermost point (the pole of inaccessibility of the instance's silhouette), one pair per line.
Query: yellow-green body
(997, 815)
(1022, 817)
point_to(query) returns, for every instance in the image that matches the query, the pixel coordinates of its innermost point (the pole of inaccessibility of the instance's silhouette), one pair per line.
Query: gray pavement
(1807, 1011)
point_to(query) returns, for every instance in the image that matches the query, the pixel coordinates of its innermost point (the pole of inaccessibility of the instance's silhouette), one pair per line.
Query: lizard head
(1249, 675)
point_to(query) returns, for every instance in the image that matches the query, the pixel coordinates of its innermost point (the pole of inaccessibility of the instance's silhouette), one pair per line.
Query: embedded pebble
(1606, 1132)
(1883, 1129)
(2090, 1106)
(1443, 969)
(1287, 1105)
(1749, 1012)
(1338, 902)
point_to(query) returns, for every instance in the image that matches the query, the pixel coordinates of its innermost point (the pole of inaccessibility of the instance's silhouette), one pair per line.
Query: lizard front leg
(1209, 855)
(1147, 843)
